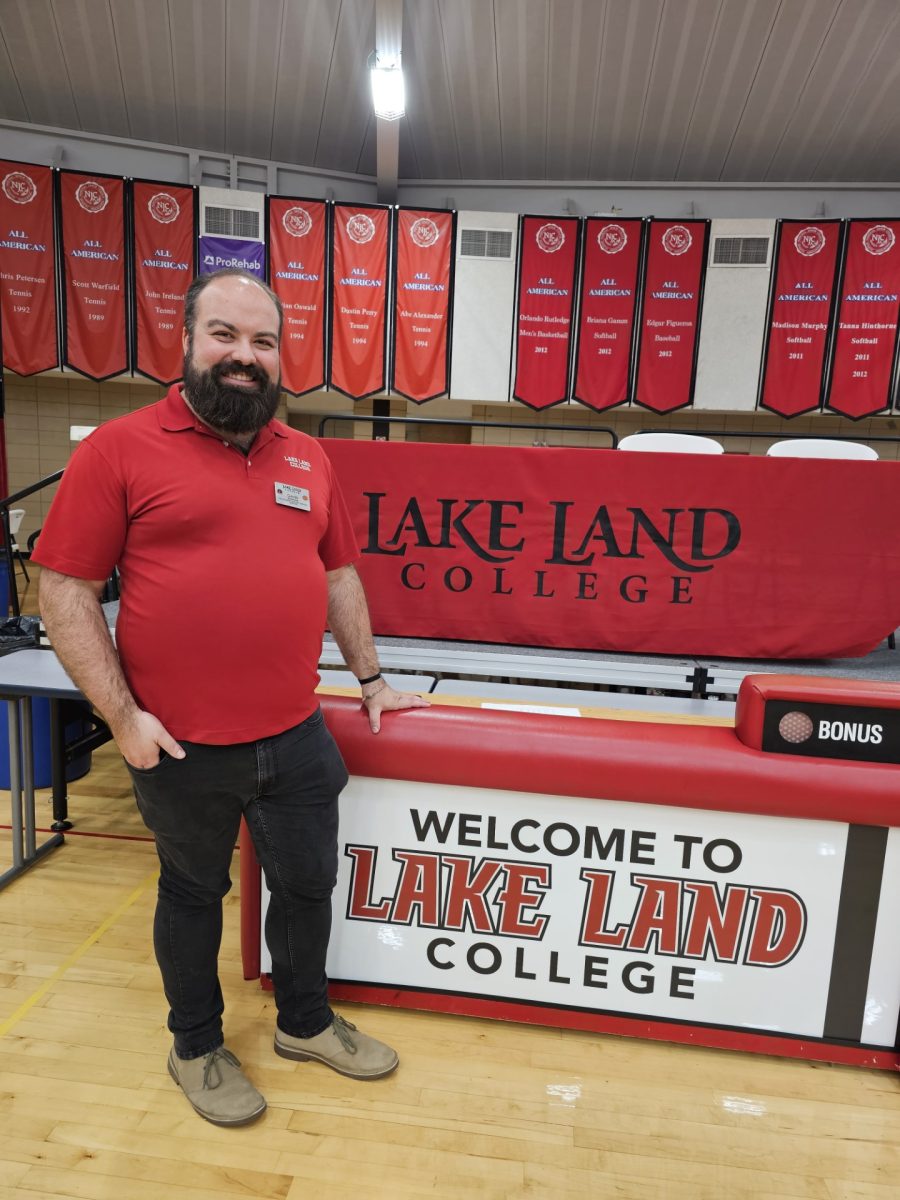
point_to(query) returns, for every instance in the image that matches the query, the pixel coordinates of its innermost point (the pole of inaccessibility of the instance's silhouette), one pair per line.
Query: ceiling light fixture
(388, 90)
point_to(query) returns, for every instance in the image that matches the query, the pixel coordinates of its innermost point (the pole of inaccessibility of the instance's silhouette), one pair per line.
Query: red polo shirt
(223, 592)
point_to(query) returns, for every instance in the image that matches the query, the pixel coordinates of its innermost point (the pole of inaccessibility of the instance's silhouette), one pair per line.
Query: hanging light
(388, 90)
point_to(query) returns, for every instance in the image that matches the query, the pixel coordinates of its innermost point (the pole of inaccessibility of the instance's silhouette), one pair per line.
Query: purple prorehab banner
(217, 253)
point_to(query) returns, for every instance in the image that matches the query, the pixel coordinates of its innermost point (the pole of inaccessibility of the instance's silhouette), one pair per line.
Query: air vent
(740, 251)
(485, 243)
(231, 222)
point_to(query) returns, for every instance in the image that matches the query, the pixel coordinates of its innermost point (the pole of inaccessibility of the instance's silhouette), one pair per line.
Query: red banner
(425, 240)
(799, 316)
(865, 341)
(670, 317)
(92, 231)
(548, 255)
(296, 230)
(164, 235)
(609, 283)
(27, 274)
(625, 552)
(359, 267)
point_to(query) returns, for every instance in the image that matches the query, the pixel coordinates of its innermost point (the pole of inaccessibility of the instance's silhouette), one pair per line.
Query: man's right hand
(141, 739)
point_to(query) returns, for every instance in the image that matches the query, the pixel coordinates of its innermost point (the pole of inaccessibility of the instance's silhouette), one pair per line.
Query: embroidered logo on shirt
(299, 464)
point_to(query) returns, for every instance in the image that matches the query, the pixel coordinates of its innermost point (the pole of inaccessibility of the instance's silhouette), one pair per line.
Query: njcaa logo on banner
(810, 241)
(163, 208)
(677, 240)
(297, 221)
(360, 229)
(878, 240)
(19, 187)
(589, 904)
(92, 196)
(612, 238)
(550, 238)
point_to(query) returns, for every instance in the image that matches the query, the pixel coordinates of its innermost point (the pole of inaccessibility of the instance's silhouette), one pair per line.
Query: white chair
(673, 443)
(820, 448)
(15, 520)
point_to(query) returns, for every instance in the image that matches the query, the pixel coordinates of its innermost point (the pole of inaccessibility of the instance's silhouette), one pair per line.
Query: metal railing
(352, 417)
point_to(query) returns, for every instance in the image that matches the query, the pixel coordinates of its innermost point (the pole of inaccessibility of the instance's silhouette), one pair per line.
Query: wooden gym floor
(477, 1109)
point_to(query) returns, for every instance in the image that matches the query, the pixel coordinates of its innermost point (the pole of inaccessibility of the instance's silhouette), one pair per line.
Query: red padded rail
(690, 766)
(756, 690)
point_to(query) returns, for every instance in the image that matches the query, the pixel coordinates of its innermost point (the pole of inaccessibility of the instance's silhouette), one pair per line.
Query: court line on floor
(26, 1006)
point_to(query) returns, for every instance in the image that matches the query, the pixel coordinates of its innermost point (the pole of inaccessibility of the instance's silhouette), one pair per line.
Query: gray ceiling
(688, 90)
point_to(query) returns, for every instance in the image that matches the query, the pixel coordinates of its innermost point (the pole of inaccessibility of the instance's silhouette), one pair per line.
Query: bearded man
(234, 546)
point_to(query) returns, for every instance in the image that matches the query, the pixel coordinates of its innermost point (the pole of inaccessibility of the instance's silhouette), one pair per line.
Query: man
(233, 545)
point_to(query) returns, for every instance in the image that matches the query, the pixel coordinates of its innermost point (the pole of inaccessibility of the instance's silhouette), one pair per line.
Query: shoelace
(343, 1030)
(213, 1061)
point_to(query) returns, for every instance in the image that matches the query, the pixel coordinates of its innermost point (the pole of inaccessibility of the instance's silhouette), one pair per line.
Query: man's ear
(185, 338)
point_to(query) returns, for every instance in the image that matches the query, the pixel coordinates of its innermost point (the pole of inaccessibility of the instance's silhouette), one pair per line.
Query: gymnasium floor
(477, 1109)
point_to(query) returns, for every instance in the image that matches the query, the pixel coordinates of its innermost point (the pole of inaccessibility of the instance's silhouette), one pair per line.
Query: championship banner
(92, 233)
(800, 308)
(670, 317)
(425, 241)
(864, 356)
(359, 269)
(163, 230)
(624, 552)
(217, 253)
(548, 257)
(609, 288)
(27, 270)
(296, 236)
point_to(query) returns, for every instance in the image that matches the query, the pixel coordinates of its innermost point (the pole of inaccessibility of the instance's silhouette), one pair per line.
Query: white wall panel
(483, 315)
(732, 325)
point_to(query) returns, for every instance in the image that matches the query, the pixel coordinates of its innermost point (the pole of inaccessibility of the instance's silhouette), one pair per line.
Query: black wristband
(371, 679)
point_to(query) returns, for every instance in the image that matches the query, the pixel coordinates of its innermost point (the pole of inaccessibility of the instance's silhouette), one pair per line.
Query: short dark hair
(200, 284)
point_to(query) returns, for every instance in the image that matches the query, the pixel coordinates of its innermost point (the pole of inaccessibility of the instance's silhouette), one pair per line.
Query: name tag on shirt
(291, 496)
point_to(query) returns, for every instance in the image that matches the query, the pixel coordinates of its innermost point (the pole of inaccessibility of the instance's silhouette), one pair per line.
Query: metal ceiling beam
(388, 42)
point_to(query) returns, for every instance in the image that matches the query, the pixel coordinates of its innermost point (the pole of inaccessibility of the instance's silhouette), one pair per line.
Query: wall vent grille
(231, 222)
(740, 251)
(485, 243)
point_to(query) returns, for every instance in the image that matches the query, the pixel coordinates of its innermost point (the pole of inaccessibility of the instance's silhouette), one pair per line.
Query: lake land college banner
(27, 268)
(670, 314)
(624, 552)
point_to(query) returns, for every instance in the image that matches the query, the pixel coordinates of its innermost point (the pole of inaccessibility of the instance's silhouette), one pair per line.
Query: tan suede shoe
(216, 1087)
(343, 1048)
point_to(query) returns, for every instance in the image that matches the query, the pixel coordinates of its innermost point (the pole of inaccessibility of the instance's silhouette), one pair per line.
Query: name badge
(291, 496)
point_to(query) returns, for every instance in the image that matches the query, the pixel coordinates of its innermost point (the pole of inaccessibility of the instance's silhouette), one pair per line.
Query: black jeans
(287, 787)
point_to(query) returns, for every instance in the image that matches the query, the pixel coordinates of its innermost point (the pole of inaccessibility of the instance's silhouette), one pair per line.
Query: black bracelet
(371, 679)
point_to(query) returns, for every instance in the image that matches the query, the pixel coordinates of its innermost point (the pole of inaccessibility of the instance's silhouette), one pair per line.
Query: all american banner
(606, 315)
(296, 233)
(359, 274)
(92, 237)
(545, 305)
(864, 355)
(164, 237)
(670, 317)
(425, 243)
(800, 310)
(27, 270)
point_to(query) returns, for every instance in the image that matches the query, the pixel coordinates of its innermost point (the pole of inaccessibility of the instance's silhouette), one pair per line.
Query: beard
(234, 410)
